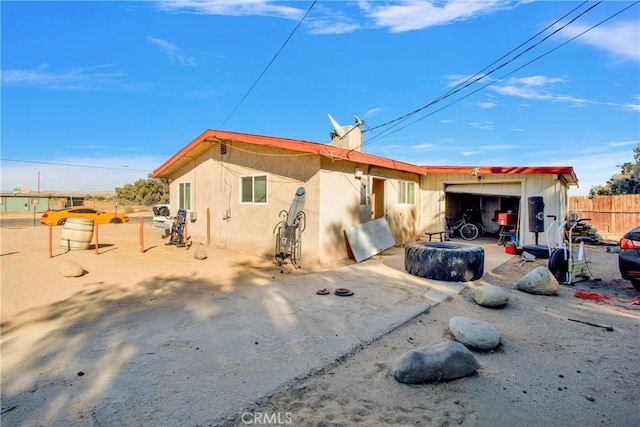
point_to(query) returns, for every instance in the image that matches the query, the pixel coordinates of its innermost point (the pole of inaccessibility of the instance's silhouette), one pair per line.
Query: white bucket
(76, 234)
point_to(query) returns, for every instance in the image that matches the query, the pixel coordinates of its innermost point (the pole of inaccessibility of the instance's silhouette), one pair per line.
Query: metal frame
(289, 237)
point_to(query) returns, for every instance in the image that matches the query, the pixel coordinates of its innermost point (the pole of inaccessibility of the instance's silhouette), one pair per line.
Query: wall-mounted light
(359, 173)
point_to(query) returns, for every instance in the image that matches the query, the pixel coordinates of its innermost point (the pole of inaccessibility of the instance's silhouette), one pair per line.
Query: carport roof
(201, 144)
(566, 172)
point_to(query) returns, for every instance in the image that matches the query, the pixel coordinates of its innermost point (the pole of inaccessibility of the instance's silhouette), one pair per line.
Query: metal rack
(289, 231)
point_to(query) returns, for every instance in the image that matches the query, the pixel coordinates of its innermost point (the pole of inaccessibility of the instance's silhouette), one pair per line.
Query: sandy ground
(548, 371)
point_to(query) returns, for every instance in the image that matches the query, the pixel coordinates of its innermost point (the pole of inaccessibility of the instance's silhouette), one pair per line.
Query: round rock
(70, 269)
(490, 296)
(474, 333)
(200, 253)
(434, 363)
(539, 281)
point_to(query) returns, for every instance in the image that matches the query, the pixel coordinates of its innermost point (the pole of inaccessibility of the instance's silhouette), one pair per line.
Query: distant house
(23, 202)
(235, 185)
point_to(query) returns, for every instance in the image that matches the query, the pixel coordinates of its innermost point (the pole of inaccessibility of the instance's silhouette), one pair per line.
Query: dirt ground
(549, 370)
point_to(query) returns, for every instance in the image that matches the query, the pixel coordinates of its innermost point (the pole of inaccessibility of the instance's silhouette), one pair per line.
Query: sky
(97, 94)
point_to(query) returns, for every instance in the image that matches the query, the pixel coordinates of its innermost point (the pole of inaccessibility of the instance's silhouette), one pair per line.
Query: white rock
(70, 269)
(490, 296)
(474, 333)
(200, 253)
(539, 281)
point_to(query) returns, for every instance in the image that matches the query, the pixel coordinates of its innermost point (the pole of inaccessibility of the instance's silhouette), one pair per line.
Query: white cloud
(91, 78)
(231, 8)
(497, 147)
(416, 15)
(620, 39)
(172, 51)
(487, 105)
(622, 143)
(422, 147)
(481, 125)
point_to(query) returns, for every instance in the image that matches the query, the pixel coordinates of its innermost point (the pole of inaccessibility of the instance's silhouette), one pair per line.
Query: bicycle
(466, 230)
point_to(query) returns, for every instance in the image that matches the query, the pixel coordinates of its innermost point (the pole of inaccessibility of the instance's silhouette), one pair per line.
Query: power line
(469, 81)
(519, 68)
(268, 65)
(74, 165)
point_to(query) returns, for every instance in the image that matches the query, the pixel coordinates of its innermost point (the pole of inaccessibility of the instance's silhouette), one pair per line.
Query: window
(406, 193)
(184, 196)
(253, 189)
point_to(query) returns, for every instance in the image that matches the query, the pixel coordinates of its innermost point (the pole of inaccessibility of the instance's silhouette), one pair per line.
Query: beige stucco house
(235, 186)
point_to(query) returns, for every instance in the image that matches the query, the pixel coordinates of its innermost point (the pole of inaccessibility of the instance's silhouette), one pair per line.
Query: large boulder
(490, 296)
(434, 363)
(476, 334)
(539, 281)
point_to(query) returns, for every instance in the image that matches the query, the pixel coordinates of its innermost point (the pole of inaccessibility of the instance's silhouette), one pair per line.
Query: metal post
(95, 226)
(141, 235)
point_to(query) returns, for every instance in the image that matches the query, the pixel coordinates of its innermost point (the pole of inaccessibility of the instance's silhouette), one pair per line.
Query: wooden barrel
(76, 234)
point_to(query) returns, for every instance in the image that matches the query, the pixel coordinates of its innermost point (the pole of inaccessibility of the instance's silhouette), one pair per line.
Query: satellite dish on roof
(336, 127)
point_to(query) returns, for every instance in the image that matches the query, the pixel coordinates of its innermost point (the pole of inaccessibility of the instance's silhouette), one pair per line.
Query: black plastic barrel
(536, 214)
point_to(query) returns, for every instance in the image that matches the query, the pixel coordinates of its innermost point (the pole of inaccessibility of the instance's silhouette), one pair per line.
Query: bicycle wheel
(469, 231)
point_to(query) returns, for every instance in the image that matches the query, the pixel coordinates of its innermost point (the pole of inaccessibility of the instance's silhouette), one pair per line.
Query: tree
(145, 191)
(625, 182)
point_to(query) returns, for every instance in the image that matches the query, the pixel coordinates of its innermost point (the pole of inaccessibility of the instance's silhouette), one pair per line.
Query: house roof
(201, 144)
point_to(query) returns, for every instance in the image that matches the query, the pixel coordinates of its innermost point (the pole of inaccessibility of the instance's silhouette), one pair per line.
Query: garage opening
(482, 204)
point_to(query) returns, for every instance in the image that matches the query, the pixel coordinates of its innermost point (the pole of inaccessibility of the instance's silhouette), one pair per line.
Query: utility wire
(468, 81)
(268, 65)
(519, 68)
(74, 165)
(475, 78)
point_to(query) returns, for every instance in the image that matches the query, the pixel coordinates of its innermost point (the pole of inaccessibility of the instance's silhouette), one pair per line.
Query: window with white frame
(406, 193)
(253, 189)
(184, 196)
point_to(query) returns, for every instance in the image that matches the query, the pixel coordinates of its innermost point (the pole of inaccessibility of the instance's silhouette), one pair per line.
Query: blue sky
(97, 94)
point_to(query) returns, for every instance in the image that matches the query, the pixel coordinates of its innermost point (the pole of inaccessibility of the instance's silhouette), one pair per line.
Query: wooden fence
(611, 215)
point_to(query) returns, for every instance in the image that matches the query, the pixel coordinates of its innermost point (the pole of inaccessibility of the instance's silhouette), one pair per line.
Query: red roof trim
(294, 145)
(333, 152)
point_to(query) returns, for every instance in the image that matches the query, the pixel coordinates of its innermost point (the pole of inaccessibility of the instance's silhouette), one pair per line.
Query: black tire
(163, 211)
(481, 229)
(115, 221)
(558, 265)
(454, 262)
(636, 284)
(62, 221)
(469, 231)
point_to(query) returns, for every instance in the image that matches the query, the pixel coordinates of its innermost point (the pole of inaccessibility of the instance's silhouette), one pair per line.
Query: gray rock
(476, 334)
(490, 296)
(70, 269)
(200, 253)
(539, 281)
(434, 363)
